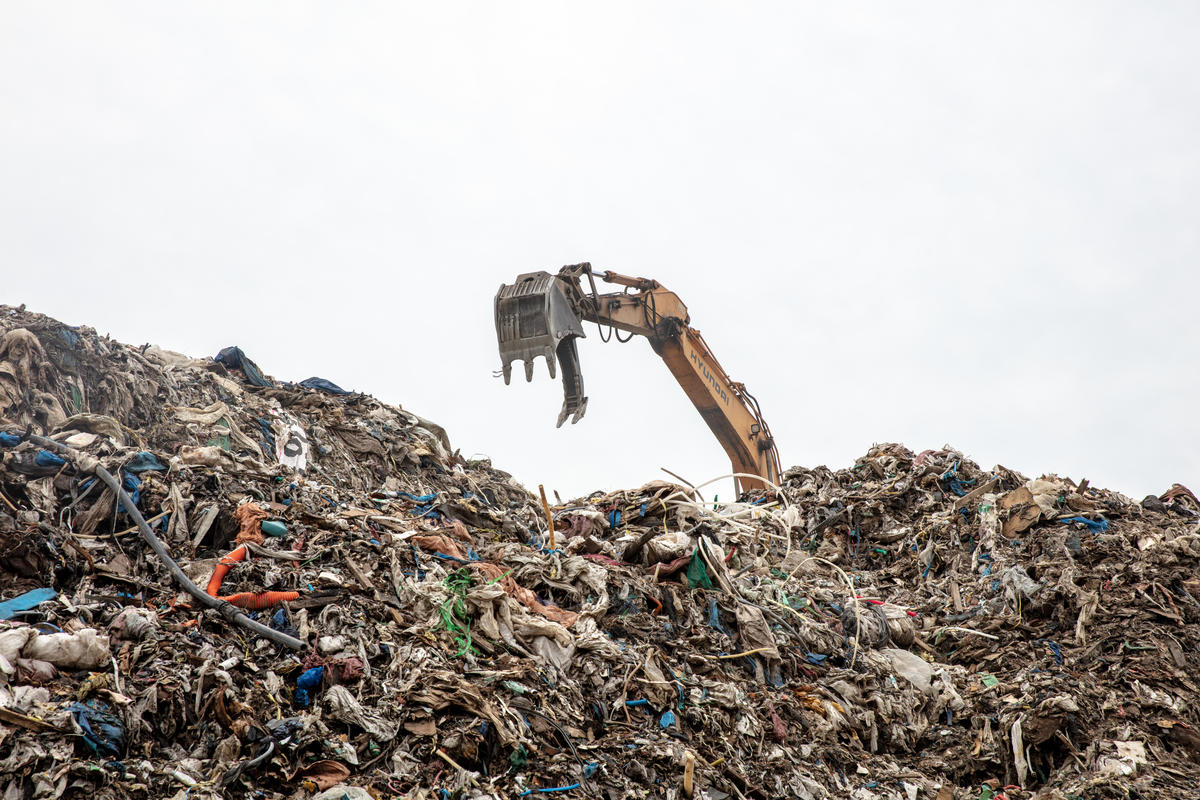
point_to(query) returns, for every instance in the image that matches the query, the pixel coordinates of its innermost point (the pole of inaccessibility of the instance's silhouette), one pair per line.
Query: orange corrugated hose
(252, 601)
(223, 566)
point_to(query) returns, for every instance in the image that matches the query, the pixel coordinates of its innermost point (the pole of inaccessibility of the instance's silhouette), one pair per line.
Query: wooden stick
(549, 516)
(691, 486)
(29, 723)
(440, 753)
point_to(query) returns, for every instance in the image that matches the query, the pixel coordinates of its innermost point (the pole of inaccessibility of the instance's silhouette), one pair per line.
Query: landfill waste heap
(214, 584)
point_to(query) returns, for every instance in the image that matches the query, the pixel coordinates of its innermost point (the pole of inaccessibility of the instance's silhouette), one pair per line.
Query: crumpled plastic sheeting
(84, 649)
(234, 358)
(496, 572)
(103, 731)
(23, 369)
(341, 706)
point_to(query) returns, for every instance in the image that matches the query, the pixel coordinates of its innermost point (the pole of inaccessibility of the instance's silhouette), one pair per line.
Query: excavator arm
(541, 314)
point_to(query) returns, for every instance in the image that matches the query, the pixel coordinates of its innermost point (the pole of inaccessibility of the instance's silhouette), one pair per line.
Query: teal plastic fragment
(25, 602)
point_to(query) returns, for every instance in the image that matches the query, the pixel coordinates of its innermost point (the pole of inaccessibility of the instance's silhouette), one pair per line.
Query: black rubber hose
(225, 609)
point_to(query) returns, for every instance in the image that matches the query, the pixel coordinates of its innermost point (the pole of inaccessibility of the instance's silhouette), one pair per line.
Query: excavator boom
(542, 314)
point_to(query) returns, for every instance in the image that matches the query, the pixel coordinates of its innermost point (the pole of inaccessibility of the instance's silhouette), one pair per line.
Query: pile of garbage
(216, 584)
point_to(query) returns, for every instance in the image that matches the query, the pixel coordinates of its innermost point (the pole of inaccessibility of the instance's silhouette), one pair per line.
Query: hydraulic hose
(227, 610)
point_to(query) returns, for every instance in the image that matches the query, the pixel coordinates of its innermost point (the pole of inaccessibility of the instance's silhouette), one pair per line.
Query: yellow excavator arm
(541, 314)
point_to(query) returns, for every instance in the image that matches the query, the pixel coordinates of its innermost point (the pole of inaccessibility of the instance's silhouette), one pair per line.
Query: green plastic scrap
(499, 578)
(697, 573)
(221, 441)
(990, 680)
(454, 611)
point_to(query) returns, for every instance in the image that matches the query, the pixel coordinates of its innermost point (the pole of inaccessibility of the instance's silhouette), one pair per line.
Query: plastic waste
(308, 683)
(103, 731)
(25, 602)
(85, 649)
(134, 624)
(911, 667)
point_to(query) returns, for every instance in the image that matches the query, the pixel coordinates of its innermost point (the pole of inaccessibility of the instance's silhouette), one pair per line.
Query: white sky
(929, 223)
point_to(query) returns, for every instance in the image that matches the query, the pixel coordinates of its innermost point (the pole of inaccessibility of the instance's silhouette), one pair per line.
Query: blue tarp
(234, 358)
(144, 462)
(103, 731)
(322, 385)
(133, 486)
(1094, 525)
(308, 682)
(47, 459)
(25, 602)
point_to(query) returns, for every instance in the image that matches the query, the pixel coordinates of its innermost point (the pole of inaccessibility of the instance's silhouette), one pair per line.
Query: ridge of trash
(911, 627)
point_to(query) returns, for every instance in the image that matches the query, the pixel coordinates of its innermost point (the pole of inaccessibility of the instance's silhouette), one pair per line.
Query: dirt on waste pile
(216, 584)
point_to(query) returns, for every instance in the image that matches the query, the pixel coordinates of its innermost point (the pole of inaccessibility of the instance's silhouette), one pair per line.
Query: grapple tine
(574, 403)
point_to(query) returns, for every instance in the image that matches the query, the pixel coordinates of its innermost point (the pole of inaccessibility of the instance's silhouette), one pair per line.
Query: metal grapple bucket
(535, 318)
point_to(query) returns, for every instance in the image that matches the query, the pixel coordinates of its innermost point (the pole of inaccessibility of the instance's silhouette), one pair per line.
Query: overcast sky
(932, 223)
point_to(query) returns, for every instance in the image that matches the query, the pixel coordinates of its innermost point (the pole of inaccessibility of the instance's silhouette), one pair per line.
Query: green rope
(454, 611)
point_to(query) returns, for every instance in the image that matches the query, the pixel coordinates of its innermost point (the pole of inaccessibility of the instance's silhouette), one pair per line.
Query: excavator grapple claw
(534, 317)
